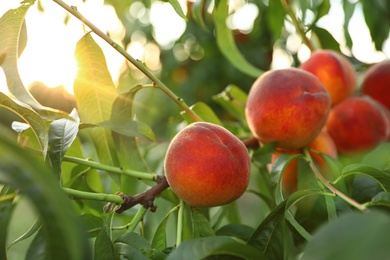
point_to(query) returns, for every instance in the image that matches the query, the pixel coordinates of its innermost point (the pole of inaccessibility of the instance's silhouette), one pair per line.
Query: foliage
(77, 170)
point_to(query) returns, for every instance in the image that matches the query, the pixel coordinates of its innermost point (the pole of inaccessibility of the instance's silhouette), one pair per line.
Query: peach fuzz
(323, 143)
(287, 106)
(376, 83)
(334, 71)
(207, 166)
(358, 124)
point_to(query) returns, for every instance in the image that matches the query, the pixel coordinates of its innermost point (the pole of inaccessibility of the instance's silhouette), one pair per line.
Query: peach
(358, 124)
(323, 143)
(376, 83)
(287, 106)
(334, 71)
(207, 166)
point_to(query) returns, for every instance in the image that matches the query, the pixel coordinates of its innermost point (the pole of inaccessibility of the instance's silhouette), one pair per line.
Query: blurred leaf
(159, 241)
(382, 177)
(134, 246)
(104, 248)
(38, 125)
(92, 223)
(226, 42)
(126, 251)
(62, 133)
(198, 12)
(37, 248)
(321, 10)
(353, 235)
(201, 227)
(34, 228)
(379, 157)
(133, 239)
(201, 248)
(129, 129)
(236, 230)
(376, 15)
(233, 100)
(326, 39)
(205, 112)
(95, 94)
(382, 198)
(7, 206)
(275, 18)
(349, 9)
(37, 182)
(177, 7)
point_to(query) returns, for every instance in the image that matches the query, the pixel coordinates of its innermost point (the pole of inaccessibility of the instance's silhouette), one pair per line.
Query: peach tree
(89, 182)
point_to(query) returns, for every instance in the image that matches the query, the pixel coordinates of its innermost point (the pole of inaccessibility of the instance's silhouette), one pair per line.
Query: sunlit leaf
(226, 42)
(38, 183)
(353, 235)
(95, 94)
(233, 100)
(205, 112)
(326, 39)
(38, 125)
(201, 248)
(177, 7)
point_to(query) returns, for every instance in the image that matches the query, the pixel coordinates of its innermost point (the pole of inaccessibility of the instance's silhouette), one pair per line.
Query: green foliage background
(60, 170)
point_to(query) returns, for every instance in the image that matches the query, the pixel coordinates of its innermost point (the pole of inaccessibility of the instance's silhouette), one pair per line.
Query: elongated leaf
(382, 198)
(233, 100)
(93, 224)
(353, 235)
(198, 12)
(226, 42)
(205, 112)
(23, 171)
(201, 227)
(349, 9)
(382, 177)
(159, 241)
(275, 18)
(104, 248)
(176, 5)
(236, 230)
(95, 93)
(6, 209)
(34, 228)
(200, 248)
(326, 39)
(62, 133)
(37, 124)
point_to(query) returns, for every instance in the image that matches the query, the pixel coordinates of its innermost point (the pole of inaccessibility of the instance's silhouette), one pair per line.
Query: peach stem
(335, 191)
(138, 64)
(180, 224)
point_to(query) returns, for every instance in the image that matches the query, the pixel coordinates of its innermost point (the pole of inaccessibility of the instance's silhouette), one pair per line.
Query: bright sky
(49, 55)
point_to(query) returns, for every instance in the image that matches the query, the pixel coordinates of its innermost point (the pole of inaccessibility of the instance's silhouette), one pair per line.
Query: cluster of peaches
(317, 106)
(320, 106)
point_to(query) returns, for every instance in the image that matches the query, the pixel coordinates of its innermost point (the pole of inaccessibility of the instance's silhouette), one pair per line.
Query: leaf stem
(77, 194)
(137, 218)
(297, 24)
(138, 64)
(95, 165)
(338, 193)
(179, 232)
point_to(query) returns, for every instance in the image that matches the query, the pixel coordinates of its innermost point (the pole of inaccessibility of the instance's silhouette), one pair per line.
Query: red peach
(287, 106)
(358, 124)
(376, 83)
(207, 166)
(334, 71)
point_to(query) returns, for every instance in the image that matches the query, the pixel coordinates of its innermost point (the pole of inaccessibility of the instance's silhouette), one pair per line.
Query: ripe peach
(376, 82)
(323, 143)
(358, 124)
(334, 71)
(287, 106)
(207, 166)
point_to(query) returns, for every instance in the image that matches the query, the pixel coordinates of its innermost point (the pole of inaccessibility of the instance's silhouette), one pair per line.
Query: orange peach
(376, 83)
(207, 166)
(334, 71)
(287, 106)
(358, 124)
(323, 143)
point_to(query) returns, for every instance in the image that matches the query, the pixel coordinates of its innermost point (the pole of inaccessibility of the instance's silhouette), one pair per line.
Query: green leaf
(349, 9)
(126, 251)
(134, 240)
(38, 125)
(353, 235)
(376, 15)
(201, 226)
(36, 249)
(201, 248)
(382, 198)
(159, 240)
(95, 94)
(205, 112)
(92, 223)
(240, 231)
(379, 157)
(326, 39)
(62, 133)
(382, 177)
(37, 182)
(34, 228)
(176, 5)
(275, 18)
(13, 38)
(6, 209)
(321, 10)
(104, 248)
(233, 101)
(226, 44)
(198, 11)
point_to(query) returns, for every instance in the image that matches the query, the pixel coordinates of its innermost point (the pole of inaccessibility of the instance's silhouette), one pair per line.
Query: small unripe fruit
(334, 71)
(287, 106)
(207, 166)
